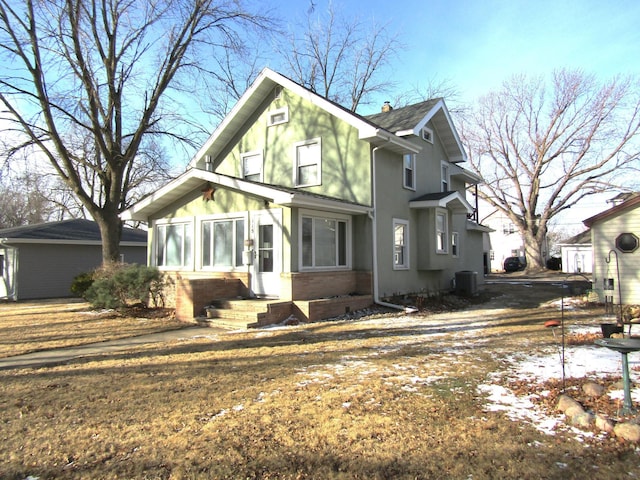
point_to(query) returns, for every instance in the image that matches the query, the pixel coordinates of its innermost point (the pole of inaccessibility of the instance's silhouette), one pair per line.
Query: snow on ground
(584, 361)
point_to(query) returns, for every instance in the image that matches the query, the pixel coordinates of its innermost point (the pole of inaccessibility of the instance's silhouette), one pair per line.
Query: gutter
(372, 216)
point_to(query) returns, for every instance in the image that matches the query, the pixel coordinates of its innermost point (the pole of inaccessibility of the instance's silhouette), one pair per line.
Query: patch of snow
(580, 361)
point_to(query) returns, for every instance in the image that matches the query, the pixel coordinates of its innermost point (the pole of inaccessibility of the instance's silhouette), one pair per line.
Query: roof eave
(460, 204)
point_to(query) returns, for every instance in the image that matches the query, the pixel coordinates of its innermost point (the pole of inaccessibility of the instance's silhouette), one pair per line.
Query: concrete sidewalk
(61, 355)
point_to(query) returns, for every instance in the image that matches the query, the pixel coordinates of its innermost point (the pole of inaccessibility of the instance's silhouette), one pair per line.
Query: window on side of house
(173, 244)
(324, 241)
(409, 171)
(445, 177)
(252, 166)
(222, 243)
(308, 163)
(427, 135)
(508, 228)
(1, 265)
(441, 232)
(400, 244)
(455, 247)
(278, 116)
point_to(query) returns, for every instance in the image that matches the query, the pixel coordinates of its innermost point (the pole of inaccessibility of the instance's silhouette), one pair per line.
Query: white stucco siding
(604, 234)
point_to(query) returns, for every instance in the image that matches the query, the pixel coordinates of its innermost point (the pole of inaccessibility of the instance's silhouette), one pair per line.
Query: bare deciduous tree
(103, 71)
(542, 150)
(339, 59)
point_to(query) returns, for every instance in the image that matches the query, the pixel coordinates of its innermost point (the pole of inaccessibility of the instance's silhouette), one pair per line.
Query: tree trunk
(533, 252)
(110, 230)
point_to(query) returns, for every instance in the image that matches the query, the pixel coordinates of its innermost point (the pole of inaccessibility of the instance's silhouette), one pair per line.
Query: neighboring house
(40, 261)
(577, 253)
(615, 237)
(297, 199)
(504, 240)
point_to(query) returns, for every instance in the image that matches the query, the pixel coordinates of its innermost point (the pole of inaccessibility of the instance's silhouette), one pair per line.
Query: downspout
(372, 216)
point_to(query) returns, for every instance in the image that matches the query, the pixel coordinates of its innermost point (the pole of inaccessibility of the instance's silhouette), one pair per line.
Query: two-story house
(296, 199)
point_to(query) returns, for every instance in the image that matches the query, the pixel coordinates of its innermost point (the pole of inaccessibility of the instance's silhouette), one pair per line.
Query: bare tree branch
(541, 151)
(342, 60)
(88, 83)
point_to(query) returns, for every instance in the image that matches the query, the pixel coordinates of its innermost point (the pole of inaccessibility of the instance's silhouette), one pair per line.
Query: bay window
(400, 244)
(441, 232)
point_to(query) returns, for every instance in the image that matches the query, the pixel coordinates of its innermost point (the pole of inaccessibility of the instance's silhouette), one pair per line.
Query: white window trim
(445, 165)
(413, 169)
(310, 141)
(427, 134)
(252, 154)
(329, 216)
(455, 240)
(446, 231)
(173, 221)
(271, 114)
(406, 264)
(198, 241)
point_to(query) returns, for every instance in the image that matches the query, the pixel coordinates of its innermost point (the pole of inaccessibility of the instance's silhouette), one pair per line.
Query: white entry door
(266, 232)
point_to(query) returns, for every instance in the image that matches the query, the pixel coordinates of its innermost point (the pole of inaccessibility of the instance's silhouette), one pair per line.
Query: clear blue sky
(476, 44)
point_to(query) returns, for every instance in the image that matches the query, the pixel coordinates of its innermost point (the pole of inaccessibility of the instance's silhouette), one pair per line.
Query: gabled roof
(77, 231)
(261, 89)
(195, 178)
(632, 202)
(582, 238)
(452, 200)
(410, 120)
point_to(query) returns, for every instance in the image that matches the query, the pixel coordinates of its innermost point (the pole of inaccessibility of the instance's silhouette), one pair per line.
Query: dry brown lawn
(42, 325)
(374, 398)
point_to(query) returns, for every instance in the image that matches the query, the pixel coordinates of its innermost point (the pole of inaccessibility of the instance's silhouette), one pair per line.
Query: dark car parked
(513, 264)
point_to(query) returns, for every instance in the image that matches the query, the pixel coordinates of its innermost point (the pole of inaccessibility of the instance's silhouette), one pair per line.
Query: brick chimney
(387, 107)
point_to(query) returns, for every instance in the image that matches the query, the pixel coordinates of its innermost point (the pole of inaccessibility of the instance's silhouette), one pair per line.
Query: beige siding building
(615, 235)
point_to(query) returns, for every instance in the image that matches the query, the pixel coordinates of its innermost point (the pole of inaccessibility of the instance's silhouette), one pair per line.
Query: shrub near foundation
(117, 285)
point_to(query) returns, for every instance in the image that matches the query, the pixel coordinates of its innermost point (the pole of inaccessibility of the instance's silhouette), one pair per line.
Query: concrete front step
(238, 313)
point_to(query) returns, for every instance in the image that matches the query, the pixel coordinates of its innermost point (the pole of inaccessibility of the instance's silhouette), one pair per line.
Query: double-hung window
(252, 166)
(441, 232)
(325, 241)
(445, 177)
(409, 171)
(455, 246)
(222, 243)
(400, 244)
(308, 163)
(173, 244)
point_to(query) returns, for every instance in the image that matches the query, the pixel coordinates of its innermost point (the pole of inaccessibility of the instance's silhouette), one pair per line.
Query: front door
(266, 231)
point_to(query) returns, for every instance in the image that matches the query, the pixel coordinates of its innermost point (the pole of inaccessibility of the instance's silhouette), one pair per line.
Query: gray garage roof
(75, 230)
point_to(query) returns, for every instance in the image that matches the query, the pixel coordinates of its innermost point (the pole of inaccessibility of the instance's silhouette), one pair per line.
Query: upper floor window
(508, 228)
(324, 241)
(427, 135)
(173, 244)
(445, 177)
(308, 163)
(441, 232)
(222, 242)
(278, 116)
(409, 171)
(400, 244)
(252, 166)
